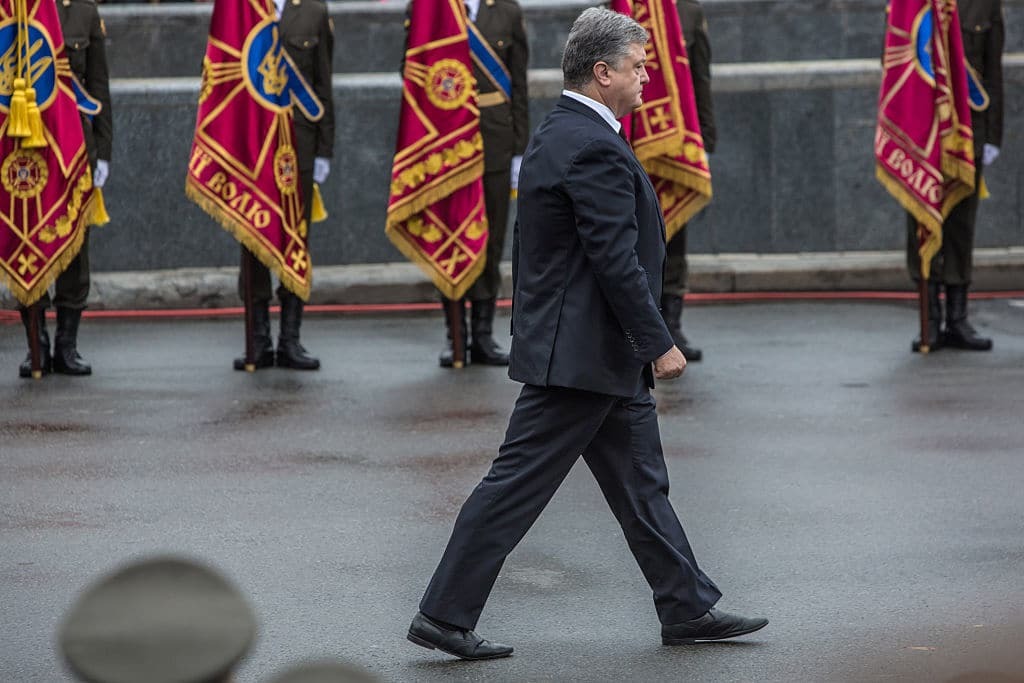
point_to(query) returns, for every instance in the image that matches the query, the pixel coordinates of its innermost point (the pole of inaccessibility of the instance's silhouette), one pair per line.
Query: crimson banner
(924, 147)
(436, 211)
(665, 131)
(46, 198)
(243, 170)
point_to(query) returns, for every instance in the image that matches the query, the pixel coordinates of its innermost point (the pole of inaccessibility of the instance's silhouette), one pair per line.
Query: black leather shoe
(960, 334)
(712, 625)
(427, 633)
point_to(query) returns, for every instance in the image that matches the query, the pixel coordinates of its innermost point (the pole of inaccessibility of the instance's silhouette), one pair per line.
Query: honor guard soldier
(500, 54)
(84, 41)
(981, 24)
(698, 49)
(307, 34)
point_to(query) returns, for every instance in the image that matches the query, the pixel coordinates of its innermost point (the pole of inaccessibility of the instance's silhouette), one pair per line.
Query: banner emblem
(271, 77)
(450, 85)
(42, 71)
(24, 173)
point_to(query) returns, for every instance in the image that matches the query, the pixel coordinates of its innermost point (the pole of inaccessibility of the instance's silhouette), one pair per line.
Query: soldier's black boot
(66, 360)
(447, 357)
(935, 337)
(46, 361)
(290, 353)
(264, 346)
(959, 333)
(485, 350)
(672, 313)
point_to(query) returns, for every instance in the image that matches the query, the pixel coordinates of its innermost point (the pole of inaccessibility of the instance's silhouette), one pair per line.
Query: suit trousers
(260, 273)
(550, 427)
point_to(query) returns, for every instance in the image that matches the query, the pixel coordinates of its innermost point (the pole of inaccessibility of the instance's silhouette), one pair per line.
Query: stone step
(151, 41)
(794, 169)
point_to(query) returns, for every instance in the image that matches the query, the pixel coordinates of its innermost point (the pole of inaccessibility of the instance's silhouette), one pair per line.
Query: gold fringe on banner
(243, 234)
(98, 215)
(317, 212)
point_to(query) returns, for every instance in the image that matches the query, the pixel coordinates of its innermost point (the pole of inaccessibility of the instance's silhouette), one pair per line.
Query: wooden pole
(250, 342)
(453, 309)
(922, 295)
(35, 353)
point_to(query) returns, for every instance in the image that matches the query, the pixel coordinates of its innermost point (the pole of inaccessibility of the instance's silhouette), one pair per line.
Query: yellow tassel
(317, 212)
(18, 127)
(99, 209)
(983, 192)
(514, 194)
(35, 122)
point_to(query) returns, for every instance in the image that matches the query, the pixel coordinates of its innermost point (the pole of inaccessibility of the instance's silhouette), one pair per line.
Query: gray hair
(598, 35)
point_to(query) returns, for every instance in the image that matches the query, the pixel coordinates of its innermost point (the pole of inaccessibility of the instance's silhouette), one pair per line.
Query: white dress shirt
(279, 6)
(472, 9)
(602, 109)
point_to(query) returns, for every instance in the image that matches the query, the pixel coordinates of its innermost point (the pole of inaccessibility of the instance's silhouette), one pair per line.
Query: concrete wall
(153, 41)
(793, 172)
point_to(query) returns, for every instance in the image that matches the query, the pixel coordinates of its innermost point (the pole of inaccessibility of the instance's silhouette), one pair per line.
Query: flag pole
(922, 295)
(453, 309)
(250, 343)
(35, 353)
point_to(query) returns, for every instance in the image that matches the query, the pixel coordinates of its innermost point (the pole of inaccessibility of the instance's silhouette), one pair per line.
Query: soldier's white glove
(321, 169)
(102, 172)
(989, 153)
(517, 162)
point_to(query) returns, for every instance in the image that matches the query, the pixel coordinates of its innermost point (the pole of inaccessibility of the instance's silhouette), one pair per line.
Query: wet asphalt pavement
(865, 499)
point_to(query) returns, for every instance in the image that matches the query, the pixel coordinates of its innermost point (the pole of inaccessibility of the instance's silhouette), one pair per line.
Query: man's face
(625, 93)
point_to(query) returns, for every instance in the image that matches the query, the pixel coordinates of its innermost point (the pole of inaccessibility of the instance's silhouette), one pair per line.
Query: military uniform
(307, 34)
(505, 128)
(84, 41)
(698, 49)
(981, 25)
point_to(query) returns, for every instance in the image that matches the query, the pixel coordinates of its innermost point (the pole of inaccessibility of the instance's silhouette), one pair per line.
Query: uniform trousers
(550, 427)
(676, 269)
(497, 187)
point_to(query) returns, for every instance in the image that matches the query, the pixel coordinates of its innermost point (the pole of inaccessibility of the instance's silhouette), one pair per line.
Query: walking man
(588, 341)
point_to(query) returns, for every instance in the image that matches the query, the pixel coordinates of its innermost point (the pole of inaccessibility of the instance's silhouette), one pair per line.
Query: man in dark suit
(698, 49)
(85, 42)
(981, 25)
(588, 341)
(307, 34)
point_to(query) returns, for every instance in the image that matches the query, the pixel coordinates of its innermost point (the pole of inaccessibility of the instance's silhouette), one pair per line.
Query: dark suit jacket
(981, 24)
(85, 43)
(587, 259)
(308, 37)
(698, 49)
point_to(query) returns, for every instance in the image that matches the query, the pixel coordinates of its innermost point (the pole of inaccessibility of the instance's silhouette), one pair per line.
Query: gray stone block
(152, 41)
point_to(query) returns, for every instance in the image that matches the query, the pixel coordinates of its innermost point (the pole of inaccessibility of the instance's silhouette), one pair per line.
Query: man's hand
(321, 169)
(989, 153)
(670, 365)
(102, 172)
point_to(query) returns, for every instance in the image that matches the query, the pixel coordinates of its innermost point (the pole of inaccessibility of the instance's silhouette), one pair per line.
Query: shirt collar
(472, 9)
(600, 108)
(279, 5)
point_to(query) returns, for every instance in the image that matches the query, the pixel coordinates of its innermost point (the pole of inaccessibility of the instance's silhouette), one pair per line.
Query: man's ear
(601, 73)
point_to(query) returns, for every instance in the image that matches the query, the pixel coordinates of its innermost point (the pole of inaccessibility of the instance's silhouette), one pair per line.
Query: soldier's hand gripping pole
(250, 342)
(35, 353)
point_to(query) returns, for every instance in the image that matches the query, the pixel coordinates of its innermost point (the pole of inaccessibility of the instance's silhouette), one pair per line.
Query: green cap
(325, 671)
(161, 620)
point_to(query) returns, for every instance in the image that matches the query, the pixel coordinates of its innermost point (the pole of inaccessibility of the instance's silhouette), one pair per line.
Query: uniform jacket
(505, 127)
(84, 40)
(587, 260)
(698, 49)
(981, 23)
(308, 37)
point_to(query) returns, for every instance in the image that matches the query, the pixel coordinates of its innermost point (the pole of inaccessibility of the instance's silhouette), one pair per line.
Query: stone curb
(395, 283)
